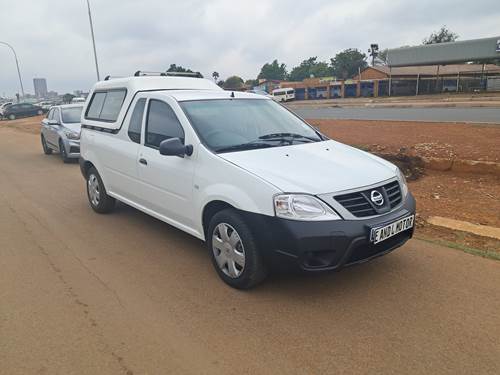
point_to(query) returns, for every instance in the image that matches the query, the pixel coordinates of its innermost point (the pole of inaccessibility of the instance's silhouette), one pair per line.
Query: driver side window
(161, 124)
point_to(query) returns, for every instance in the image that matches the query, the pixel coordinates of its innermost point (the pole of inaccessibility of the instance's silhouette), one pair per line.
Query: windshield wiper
(290, 137)
(244, 146)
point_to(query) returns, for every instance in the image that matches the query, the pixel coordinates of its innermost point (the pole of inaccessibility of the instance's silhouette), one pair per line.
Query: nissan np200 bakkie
(241, 172)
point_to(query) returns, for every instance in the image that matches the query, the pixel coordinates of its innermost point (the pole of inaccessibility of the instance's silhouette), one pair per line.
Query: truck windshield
(71, 115)
(227, 125)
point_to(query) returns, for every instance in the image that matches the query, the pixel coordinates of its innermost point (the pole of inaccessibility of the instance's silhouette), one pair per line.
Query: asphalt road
(486, 115)
(82, 293)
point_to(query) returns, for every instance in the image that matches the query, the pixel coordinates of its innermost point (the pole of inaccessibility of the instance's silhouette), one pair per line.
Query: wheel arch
(85, 166)
(210, 209)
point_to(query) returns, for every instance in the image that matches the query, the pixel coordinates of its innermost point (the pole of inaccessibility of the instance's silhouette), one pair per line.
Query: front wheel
(46, 149)
(62, 151)
(234, 250)
(99, 200)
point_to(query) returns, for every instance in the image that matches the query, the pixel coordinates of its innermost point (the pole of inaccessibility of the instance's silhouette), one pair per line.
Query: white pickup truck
(239, 171)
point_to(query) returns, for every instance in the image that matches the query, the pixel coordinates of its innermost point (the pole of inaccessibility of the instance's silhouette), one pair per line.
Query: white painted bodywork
(177, 189)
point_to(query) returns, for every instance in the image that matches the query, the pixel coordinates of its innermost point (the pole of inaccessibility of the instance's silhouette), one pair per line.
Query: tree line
(343, 65)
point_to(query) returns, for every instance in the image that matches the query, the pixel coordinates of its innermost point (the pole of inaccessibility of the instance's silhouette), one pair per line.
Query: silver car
(61, 131)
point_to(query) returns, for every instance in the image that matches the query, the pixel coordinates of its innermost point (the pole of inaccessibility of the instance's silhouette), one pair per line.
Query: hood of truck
(314, 168)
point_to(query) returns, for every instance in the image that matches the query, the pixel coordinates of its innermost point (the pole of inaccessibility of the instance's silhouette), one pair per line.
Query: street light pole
(17, 65)
(93, 41)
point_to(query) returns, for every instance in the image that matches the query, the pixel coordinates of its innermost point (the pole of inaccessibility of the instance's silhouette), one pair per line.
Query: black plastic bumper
(326, 245)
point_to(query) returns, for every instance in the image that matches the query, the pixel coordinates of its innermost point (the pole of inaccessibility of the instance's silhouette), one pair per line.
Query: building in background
(40, 85)
(377, 81)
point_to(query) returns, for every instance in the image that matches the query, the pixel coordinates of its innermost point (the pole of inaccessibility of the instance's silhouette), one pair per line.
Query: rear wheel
(46, 149)
(62, 151)
(39, 112)
(12, 117)
(234, 250)
(99, 200)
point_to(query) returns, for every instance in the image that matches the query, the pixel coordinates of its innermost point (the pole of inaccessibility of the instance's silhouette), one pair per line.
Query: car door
(167, 180)
(53, 135)
(46, 127)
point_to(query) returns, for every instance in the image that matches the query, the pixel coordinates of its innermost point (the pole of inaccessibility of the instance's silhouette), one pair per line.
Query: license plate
(389, 230)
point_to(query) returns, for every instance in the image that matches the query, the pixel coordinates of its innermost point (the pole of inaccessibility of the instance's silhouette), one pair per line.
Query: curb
(462, 166)
(414, 163)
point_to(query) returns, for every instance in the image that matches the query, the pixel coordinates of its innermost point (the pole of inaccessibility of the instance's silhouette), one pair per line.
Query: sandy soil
(123, 293)
(443, 140)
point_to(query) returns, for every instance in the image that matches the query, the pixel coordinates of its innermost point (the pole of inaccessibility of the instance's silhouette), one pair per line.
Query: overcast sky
(52, 37)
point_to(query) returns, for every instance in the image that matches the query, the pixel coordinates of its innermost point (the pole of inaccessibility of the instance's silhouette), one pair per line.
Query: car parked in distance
(60, 131)
(14, 111)
(46, 105)
(259, 185)
(284, 94)
(3, 106)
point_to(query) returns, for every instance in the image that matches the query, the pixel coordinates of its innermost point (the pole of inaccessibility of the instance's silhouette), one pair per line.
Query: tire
(101, 203)
(12, 117)
(234, 251)
(40, 112)
(46, 149)
(62, 151)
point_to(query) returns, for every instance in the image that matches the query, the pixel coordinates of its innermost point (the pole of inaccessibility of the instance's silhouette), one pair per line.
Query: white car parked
(260, 186)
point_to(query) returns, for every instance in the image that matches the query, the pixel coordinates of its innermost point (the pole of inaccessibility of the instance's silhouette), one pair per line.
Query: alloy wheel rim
(93, 188)
(228, 250)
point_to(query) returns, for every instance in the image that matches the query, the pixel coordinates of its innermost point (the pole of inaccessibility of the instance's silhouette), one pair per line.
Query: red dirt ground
(443, 140)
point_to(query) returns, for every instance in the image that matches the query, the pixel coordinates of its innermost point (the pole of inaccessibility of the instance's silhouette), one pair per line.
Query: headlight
(72, 135)
(402, 182)
(303, 207)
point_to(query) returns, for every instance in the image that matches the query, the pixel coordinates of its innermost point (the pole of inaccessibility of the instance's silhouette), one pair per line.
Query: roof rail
(141, 73)
(108, 77)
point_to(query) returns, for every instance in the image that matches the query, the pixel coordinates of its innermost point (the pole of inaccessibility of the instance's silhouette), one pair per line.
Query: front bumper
(326, 245)
(72, 148)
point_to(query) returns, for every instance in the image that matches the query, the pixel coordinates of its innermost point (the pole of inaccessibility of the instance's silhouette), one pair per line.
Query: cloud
(52, 37)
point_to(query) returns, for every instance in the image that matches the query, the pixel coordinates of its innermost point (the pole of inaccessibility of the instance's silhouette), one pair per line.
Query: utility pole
(373, 52)
(93, 41)
(17, 65)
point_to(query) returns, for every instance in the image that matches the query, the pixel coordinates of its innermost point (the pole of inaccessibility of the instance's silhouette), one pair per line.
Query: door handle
(143, 161)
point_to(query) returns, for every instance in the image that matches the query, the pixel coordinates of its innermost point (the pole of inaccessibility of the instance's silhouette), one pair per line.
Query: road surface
(82, 293)
(486, 115)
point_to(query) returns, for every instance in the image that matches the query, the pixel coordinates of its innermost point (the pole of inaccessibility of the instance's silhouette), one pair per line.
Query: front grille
(356, 204)
(359, 203)
(393, 192)
(74, 149)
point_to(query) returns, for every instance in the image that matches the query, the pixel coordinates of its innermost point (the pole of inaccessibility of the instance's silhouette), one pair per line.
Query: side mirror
(174, 147)
(54, 122)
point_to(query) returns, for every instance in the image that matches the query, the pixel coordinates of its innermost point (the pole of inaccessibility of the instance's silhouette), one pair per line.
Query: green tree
(233, 83)
(274, 70)
(310, 67)
(443, 35)
(347, 63)
(178, 69)
(252, 82)
(67, 98)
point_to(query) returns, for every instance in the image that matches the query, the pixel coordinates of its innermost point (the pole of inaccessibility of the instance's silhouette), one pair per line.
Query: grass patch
(466, 249)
